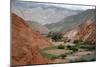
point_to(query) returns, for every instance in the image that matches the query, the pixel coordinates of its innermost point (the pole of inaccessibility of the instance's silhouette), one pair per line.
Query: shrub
(61, 46)
(55, 36)
(54, 57)
(69, 47)
(88, 47)
(63, 56)
(74, 48)
(49, 34)
(75, 41)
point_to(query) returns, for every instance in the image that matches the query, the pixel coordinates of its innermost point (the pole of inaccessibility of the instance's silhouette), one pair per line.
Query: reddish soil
(85, 32)
(26, 43)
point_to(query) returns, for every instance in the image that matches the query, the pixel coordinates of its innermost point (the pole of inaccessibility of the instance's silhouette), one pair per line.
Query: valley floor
(60, 53)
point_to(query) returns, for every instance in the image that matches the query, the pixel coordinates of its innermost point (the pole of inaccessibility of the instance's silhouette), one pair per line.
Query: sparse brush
(63, 56)
(61, 46)
(74, 48)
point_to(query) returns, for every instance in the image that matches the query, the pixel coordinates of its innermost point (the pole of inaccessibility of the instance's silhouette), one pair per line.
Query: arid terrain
(39, 38)
(26, 43)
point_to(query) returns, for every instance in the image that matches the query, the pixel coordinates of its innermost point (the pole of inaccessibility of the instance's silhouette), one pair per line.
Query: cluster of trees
(55, 36)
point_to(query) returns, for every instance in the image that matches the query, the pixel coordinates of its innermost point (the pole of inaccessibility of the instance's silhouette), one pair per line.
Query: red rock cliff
(85, 32)
(26, 43)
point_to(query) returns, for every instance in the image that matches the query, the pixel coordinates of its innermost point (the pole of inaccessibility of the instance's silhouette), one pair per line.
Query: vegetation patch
(61, 46)
(53, 53)
(86, 45)
(81, 45)
(55, 36)
(73, 48)
(62, 51)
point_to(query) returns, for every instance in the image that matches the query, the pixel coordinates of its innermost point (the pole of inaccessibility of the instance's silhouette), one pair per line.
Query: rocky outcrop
(26, 43)
(85, 32)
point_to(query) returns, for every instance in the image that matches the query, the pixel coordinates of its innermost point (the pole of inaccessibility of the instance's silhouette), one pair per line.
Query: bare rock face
(26, 43)
(85, 32)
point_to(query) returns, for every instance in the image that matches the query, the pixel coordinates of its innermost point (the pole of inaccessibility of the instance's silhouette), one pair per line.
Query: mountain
(42, 12)
(71, 21)
(85, 31)
(37, 26)
(26, 43)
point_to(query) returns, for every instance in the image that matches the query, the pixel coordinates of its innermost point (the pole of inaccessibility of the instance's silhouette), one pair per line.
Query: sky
(74, 7)
(88, 2)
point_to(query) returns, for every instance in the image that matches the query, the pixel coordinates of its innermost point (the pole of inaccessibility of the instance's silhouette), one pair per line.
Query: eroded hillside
(85, 32)
(26, 43)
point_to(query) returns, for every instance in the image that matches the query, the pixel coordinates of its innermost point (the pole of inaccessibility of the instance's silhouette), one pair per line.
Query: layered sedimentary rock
(85, 32)
(26, 43)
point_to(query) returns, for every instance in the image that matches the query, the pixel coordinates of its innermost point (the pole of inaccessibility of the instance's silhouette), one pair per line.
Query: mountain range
(86, 31)
(42, 13)
(71, 21)
(37, 26)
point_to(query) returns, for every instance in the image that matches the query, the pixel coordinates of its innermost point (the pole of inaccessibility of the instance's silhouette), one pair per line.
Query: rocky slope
(37, 26)
(26, 43)
(85, 32)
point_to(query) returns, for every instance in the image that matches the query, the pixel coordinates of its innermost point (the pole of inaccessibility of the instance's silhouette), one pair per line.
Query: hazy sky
(88, 2)
(74, 7)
